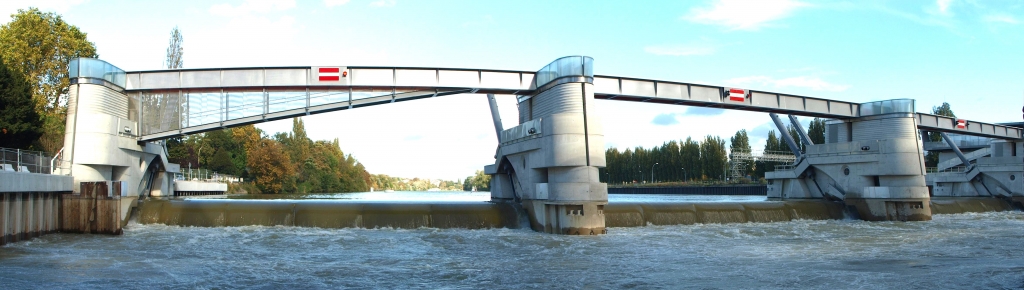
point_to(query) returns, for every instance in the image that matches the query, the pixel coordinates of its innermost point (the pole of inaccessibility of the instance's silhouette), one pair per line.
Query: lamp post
(684, 174)
(652, 171)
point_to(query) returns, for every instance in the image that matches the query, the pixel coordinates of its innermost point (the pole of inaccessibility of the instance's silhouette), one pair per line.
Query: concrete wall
(34, 182)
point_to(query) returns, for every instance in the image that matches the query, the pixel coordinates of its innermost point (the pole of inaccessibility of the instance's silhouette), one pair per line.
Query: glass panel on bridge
(564, 67)
(97, 69)
(323, 97)
(887, 107)
(243, 104)
(161, 112)
(204, 107)
(284, 100)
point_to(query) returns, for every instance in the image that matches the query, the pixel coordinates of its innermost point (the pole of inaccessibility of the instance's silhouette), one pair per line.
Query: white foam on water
(977, 250)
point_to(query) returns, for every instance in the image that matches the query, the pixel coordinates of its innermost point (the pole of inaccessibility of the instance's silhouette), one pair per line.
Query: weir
(545, 167)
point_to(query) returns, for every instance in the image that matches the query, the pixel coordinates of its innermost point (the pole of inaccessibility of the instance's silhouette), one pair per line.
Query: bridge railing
(205, 175)
(27, 161)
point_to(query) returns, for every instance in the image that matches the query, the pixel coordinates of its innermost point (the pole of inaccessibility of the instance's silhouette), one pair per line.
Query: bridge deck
(188, 101)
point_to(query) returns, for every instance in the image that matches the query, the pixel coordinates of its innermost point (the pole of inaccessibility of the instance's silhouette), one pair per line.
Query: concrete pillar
(550, 161)
(874, 164)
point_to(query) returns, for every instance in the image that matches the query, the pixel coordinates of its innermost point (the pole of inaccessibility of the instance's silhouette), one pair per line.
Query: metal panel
(706, 94)
(372, 77)
(672, 91)
(286, 77)
(200, 79)
(132, 81)
(242, 78)
(814, 105)
(988, 129)
(499, 80)
(791, 103)
(606, 86)
(638, 88)
(159, 80)
(840, 108)
(764, 100)
(416, 78)
(528, 80)
(458, 78)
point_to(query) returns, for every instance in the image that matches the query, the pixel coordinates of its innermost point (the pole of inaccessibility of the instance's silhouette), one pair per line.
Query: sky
(967, 53)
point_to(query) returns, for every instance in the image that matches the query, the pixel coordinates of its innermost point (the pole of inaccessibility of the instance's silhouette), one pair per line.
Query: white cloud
(332, 3)
(943, 6)
(744, 15)
(383, 3)
(1001, 18)
(680, 50)
(251, 7)
(813, 83)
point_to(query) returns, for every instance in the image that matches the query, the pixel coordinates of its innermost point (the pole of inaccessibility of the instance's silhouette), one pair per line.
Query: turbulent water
(983, 250)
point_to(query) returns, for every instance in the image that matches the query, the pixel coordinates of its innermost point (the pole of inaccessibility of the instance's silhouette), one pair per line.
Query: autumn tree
(39, 46)
(269, 165)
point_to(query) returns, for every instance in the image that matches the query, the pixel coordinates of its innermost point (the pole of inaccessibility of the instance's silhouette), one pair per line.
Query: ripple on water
(975, 250)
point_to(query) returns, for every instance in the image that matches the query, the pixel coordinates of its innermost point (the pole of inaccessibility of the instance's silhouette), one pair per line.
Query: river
(975, 250)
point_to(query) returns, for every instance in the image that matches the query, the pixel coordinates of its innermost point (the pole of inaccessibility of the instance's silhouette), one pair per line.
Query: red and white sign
(737, 95)
(329, 74)
(961, 124)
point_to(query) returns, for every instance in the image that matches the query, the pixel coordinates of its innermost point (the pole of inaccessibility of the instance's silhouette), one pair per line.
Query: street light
(652, 172)
(684, 174)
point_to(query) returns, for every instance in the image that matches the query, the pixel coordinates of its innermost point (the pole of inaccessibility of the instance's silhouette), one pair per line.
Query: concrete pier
(30, 204)
(874, 164)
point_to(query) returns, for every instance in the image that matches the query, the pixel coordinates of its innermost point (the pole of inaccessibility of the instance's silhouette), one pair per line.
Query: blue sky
(967, 53)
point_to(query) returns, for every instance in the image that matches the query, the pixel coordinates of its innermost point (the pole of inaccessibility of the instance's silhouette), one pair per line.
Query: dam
(545, 170)
(968, 250)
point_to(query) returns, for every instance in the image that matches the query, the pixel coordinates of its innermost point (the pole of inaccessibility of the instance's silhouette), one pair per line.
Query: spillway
(482, 214)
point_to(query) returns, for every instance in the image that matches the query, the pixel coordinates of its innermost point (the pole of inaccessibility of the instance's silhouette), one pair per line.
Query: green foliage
(478, 181)
(687, 160)
(816, 131)
(771, 144)
(741, 143)
(20, 125)
(39, 46)
(175, 51)
(932, 158)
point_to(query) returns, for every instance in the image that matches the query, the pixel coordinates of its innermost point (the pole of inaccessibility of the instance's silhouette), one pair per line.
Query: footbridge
(547, 163)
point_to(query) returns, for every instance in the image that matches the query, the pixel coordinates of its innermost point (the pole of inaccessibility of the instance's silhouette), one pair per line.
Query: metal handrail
(28, 161)
(205, 175)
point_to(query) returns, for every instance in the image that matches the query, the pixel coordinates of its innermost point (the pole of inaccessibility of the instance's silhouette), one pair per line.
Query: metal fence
(28, 161)
(206, 175)
(694, 190)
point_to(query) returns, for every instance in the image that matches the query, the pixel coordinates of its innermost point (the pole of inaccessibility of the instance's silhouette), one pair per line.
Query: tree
(39, 47)
(772, 144)
(175, 51)
(816, 131)
(20, 125)
(741, 143)
(479, 181)
(932, 158)
(269, 166)
(713, 158)
(795, 135)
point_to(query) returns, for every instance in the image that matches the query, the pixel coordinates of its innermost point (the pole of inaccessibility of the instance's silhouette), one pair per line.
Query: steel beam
(955, 149)
(495, 116)
(785, 135)
(800, 130)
